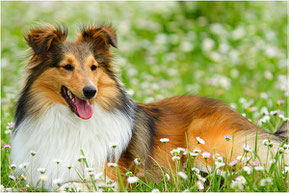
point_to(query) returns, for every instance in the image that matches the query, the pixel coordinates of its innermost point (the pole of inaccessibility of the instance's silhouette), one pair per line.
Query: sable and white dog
(73, 100)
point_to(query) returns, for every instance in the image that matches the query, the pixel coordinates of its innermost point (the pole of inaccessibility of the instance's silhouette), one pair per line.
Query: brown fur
(193, 116)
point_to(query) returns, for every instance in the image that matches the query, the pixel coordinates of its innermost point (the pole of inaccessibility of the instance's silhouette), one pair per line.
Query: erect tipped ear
(100, 36)
(42, 39)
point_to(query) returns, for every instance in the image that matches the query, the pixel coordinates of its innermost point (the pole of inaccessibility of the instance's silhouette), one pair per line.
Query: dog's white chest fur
(60, 135)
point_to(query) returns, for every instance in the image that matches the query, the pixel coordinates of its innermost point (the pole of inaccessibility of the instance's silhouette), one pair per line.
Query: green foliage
(231, 51)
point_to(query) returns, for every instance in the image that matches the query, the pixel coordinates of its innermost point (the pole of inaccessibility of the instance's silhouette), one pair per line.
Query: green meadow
(232, 51)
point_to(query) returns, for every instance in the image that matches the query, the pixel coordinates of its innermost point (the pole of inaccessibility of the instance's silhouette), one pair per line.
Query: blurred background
(232, 51)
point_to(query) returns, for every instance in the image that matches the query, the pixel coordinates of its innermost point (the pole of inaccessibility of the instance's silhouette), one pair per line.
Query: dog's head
(73, 73)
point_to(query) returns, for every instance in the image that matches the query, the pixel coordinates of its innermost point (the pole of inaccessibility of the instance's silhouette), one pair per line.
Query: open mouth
(80, 107)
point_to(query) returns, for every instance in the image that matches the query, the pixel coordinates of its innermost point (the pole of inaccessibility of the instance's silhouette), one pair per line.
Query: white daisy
(200, 140)
(247, 169)
(164, 140)
(241, 179)
(112, 165)
(183, 175)
(132, 180)
(206, 155)
(200, 185)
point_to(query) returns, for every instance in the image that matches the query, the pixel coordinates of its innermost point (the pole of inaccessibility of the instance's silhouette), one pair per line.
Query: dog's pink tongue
(83, 108)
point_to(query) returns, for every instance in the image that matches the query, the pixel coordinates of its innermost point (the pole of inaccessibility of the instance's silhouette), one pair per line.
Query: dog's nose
(89, 91)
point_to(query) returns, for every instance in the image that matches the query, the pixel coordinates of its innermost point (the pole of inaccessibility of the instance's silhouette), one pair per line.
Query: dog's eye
(93, 67)
(68, 67)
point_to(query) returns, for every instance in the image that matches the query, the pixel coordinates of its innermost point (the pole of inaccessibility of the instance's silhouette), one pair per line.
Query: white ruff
(60, 134)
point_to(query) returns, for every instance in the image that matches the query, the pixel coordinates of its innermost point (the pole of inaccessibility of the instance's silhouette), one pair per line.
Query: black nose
(89, 91)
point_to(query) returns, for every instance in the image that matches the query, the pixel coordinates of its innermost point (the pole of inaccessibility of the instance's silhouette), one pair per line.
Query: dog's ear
(101, 37)
(43, 39)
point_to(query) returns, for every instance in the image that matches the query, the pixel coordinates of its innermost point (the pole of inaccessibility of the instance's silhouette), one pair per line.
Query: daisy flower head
(269, 143)
(259, 168)
(90, 171)
(113, 146)
(193, 155)
(69, 167)
(196, 170)
(286, 146)
(264, 111)
(22, 177)
(132, 180)
(281, 116)
(281, 150)
(247, 148)
(200, 140)
(183, 175)
(274, 112)
(57, 161)
(136, 161)
(243, 159)
(10, 125)
(181, 150)
(206, 155)
(167, 176)
(155, 190)
(228, 137)
(255, 163)
(6, 146)
(57, 181)
(98, 176)
(12, 177)
(232, 163)
(280, 102)
(215, 156)
(200, 185)
(8, 131)
(247, 169)
(197, 151)
(23, 165)
(140, 174)
(12, 166)
(286, 169)
(266, 182)
(176, 158)
(272, 161)
(175, 152)
(266, 142)
(128, 174)
(241, 179)
(33, 153)
(236, 185)
(242, 100)
(201, 178)
(81, 158)
(41, 170)
(219, 164)
(164, 140)
(220, 159)
(112, 165)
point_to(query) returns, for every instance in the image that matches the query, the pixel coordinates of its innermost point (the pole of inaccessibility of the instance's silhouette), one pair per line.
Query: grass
(231, 51)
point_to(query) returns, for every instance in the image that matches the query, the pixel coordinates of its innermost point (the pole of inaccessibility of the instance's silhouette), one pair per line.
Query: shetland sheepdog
(73, 107)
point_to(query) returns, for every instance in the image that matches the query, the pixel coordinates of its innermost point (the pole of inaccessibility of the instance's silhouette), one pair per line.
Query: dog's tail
(283, 131)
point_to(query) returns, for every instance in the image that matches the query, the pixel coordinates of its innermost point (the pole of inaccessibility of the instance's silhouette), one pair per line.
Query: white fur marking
(60, 134)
